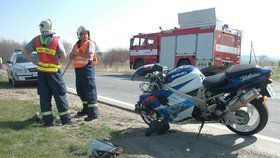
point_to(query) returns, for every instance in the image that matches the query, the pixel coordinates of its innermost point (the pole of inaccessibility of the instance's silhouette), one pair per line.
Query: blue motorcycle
(235, 98)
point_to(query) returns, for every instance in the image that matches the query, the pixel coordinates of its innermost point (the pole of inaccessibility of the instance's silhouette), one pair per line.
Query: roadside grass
(116, 67)
(276, 73)
(21, 136)
(101, 67)
(3, 79)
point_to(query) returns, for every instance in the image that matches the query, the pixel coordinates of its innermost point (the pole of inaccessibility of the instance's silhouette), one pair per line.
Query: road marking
(131, 107)
(275, 140)
(107, 99)
(114, 101)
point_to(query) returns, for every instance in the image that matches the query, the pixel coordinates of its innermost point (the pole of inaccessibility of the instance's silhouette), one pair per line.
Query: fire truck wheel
(138, 64)
(183, 62)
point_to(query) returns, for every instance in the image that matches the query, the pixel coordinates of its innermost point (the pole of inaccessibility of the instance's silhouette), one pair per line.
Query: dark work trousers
(86, 88)
(52, 84)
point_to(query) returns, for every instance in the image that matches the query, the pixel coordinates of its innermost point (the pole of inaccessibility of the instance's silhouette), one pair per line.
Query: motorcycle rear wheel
(258, 114)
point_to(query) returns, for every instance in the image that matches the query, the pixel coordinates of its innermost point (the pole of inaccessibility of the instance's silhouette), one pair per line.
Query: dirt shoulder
(180, 141)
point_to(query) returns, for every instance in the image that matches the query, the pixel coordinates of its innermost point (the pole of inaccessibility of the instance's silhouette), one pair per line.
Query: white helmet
(102, 149)
(46, 27)
(82, 29)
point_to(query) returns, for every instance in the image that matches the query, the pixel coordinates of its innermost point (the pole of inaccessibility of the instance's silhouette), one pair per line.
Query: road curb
(108, 101)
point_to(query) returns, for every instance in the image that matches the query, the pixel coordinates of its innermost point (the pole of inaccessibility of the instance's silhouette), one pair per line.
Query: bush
(115, 55)
(115, 60)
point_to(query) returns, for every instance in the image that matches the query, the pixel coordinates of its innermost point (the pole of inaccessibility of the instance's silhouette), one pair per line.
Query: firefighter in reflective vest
(50, 80)
(84, 58)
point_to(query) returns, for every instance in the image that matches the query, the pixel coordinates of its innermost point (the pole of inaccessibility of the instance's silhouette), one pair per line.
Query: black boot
(92, 114)
(90, 118)
(83, 112)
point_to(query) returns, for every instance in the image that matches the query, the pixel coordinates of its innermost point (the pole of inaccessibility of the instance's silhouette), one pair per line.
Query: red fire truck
(201, 40)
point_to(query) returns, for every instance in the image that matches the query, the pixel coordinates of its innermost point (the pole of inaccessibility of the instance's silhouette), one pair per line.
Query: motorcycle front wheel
(257, 114)
(148, 115)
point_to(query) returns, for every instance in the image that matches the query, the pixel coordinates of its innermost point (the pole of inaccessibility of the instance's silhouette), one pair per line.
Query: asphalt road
(120, 87)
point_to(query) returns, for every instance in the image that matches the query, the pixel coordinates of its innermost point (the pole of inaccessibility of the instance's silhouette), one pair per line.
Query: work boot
(92, 114)
(48, 124)
(90, 118)
(83, 112)
(67, 123)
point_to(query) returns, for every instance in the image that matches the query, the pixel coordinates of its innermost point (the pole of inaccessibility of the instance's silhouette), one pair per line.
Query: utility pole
(252, 52)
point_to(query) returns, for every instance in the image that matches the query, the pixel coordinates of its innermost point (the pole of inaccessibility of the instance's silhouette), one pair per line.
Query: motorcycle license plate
(269, 90)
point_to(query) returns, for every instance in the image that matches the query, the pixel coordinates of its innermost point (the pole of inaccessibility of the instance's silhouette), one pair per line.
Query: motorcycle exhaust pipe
(239, 102)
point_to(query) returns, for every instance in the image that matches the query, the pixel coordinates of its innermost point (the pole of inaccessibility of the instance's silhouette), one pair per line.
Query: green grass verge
(20, 136)
(276, 74)
(3, 80)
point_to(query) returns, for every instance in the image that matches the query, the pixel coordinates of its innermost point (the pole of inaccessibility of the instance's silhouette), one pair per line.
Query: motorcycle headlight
(20, 70)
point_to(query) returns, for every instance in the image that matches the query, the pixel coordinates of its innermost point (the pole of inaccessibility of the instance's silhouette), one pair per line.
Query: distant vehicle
(201, 40)
(20, 69)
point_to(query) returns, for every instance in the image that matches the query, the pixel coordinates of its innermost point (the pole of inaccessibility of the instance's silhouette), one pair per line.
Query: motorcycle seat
(215, 81)
(237, 70)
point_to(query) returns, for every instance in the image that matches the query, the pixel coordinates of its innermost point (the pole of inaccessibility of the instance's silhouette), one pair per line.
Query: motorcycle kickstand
(200, 128)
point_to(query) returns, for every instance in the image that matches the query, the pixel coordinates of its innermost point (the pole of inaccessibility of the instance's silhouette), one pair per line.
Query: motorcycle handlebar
(147, 69)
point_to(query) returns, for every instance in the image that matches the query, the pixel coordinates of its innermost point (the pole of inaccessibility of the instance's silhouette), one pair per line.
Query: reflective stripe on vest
(47, 54)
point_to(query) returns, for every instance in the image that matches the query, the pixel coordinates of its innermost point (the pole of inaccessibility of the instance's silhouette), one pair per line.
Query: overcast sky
(113, 22)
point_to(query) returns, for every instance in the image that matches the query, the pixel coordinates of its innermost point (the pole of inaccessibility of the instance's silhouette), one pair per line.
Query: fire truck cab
(201, 41)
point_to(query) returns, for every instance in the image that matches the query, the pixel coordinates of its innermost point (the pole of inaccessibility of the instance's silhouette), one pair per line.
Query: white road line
(131, 106)
(114, 101)
(271, 139)
(107, 99)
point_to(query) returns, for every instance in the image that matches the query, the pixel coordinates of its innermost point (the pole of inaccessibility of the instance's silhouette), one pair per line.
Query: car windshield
(21, 59)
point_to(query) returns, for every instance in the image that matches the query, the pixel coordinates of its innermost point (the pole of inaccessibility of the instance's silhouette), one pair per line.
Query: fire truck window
(150, 40)
(142, 41)
(136, 42)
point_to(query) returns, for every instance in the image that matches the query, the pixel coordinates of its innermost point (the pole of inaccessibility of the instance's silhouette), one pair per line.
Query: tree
(263, 60)
(7, 47)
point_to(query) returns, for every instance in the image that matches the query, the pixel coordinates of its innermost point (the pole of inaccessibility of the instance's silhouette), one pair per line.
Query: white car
(20, 69)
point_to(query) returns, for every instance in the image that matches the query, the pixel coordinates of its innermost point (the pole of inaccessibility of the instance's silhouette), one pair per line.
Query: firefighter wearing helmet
(50, 81)
(83, 54)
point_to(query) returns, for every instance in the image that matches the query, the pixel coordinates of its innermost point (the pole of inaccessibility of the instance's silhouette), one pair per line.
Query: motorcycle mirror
(137, 72)
(133, 75)
(142, 70)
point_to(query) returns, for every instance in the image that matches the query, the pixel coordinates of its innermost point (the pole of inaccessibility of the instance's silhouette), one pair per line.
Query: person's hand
(71, 56)
(74, 53)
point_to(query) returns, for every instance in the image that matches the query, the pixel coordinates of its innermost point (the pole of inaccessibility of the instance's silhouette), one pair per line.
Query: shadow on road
(181, 144)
